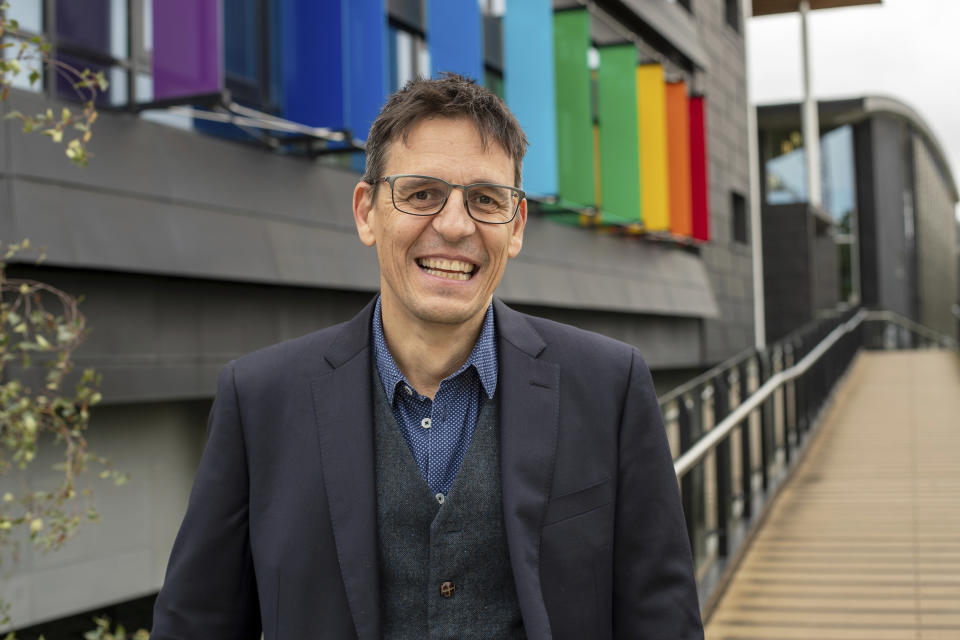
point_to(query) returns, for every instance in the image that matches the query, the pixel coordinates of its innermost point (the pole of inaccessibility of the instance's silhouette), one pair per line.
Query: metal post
(756, 231)
(811, 119)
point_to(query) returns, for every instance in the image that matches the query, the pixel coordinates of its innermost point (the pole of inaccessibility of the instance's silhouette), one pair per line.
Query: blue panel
(365, 53)
(455, 37)
(529, 88)
(313, 62)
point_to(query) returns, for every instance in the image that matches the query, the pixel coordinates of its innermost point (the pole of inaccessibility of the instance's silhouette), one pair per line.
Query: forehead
(438, 145)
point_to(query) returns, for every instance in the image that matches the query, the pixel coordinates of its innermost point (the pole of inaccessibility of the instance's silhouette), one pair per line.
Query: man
(440, 466)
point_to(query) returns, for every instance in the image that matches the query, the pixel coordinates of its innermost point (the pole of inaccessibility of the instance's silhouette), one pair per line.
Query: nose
(453, 222)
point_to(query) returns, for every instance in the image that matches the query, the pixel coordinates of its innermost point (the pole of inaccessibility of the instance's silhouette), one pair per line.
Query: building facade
(215, 216)
(886, 232)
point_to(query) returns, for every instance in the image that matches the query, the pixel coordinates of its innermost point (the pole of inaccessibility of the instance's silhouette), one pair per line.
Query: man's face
(422, 258)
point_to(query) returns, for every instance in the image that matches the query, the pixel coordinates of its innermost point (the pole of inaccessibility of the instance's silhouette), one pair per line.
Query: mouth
(448, 269)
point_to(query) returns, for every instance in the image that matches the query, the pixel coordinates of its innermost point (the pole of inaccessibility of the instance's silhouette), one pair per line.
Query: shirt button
(446, 589)
(425, 423)
(440, 498)
(408, 390)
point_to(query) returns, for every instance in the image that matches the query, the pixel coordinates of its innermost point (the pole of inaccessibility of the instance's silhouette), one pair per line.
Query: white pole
(811, 119)
(756, 235)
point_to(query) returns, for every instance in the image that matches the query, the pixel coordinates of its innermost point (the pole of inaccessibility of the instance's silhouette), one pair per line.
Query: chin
(448, 312)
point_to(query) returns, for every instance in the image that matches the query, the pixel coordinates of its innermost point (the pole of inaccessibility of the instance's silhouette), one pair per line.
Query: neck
(426, 353)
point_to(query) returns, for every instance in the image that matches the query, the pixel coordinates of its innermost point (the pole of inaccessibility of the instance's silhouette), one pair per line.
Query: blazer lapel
(529, 391)
(342, 404)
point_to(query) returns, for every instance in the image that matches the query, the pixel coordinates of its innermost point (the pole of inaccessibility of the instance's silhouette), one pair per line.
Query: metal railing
(737, 429)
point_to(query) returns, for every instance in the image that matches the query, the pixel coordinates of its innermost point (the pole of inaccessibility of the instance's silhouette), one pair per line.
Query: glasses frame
(390, 180)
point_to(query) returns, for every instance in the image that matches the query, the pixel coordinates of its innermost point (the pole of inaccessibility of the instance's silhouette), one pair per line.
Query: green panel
(619, 146)
(494, 82)
(571, 38)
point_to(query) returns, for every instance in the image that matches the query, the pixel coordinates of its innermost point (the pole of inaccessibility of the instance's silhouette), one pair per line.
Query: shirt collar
(483, 357)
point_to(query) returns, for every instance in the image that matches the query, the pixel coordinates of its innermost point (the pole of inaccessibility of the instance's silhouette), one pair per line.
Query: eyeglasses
(426, 196)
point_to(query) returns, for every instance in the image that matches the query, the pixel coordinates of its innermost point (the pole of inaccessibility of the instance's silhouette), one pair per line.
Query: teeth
(444, 268)
(449, 275)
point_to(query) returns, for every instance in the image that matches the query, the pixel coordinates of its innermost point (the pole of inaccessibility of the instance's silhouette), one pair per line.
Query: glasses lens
(491, 202)
(419, 196)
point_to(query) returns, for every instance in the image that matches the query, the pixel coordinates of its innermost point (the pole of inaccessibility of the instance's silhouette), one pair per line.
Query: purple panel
(187, 58)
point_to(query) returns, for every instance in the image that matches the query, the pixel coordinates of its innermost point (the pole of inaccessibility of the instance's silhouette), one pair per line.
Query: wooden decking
(864, 541)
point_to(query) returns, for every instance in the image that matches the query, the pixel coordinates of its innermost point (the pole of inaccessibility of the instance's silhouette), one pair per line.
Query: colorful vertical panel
(619, 153)
(700, 187)
(365, 50)
(455, 37)
(571, 30)
(313, 87)
(187, 48)
(652, 127)
(529, 89)
(678, 158)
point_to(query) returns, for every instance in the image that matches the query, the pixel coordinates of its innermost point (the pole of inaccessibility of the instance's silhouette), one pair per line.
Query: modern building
(886, 231)
(214, 217)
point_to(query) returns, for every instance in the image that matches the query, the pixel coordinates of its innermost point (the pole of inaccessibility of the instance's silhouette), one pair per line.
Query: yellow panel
(652, 126)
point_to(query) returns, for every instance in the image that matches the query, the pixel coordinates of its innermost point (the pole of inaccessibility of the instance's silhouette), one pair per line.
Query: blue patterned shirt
(439, 431)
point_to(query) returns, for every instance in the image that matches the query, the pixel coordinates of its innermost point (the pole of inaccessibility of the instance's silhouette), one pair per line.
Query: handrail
(912, 325)
(704, 445)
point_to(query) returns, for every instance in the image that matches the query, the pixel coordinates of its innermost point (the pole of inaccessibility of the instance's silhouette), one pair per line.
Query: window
(29, 16)
(738, 216)
(251, 53)
(732, 12)
(409, 57)
(112, 36)
(492, 12)
(93, 35)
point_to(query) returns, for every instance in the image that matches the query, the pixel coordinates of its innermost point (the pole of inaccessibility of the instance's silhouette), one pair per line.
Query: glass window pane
(148, 26)
(143, 86)
(96, 25)
(118, 30)
(837, 173)
(22, 79)
(240, 35)
(29, 13)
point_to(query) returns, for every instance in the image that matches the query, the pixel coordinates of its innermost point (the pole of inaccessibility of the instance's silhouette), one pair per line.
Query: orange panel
(678, 158)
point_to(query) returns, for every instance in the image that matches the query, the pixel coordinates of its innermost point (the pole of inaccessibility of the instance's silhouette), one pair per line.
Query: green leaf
(34, 77)
(12, 115)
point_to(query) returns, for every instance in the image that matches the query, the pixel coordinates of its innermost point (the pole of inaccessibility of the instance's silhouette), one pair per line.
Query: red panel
(700, 187)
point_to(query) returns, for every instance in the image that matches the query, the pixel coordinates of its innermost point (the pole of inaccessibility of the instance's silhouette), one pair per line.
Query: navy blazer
(280, 532)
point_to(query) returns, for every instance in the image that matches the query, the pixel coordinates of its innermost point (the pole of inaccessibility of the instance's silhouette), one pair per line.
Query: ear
(363, 213)
(516, 234)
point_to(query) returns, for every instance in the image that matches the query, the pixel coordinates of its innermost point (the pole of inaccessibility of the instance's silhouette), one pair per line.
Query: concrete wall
(125, 555)
(728, 262)
(936, 241)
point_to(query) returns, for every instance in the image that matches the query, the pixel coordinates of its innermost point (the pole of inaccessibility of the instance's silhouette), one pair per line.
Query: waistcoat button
(446, 589)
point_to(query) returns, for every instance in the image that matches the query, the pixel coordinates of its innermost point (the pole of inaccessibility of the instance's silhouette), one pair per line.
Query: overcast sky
(906, 49)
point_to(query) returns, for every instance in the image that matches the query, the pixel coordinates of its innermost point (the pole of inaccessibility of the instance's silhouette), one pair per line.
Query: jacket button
(446, 589)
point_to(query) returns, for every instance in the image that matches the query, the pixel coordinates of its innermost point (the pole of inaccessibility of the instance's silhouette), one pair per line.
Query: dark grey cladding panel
(570, 267)
(152, 161)
(102, 230)
(665, 342)
(675, 24)
(161, 338)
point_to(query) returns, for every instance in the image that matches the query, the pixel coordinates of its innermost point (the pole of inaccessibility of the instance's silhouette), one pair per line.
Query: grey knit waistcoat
(423, 544)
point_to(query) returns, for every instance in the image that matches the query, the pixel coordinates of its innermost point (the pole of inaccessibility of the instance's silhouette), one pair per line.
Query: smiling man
(440, 466)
